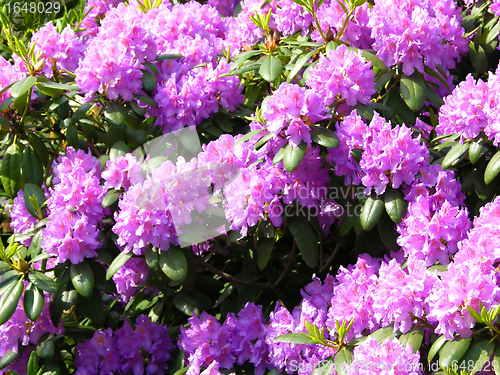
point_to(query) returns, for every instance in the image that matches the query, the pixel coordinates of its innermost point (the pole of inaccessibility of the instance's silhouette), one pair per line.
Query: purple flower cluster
(130, 278)
(122, 172)
(22, 221)
(343, 74)
(143, 350)
(209, 344)
(8, 74)
(20, 330)
(388, 357)
(74, 208)
(414, 32)
(390, 155)
(61, 51)
(224, 7)
(295, 110)
(290, 18)
(472, 108)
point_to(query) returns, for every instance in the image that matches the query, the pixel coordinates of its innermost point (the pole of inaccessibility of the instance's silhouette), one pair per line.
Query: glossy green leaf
(271, 68)
(371, 212)
(262, 141)
(58, 86)
(299, 65)
(479, 354)
(324, 137)
(293, 156)
(33, 364)
(151, 256)
(173, 263)
(478, 58)
(31, 190)
(118, 149)
(168, 57)
(475, 148)
(8, 358)
(434, 97)
(294, 338)
(492, 169)
(413, 91)
(343, 360)
(248, 136)
(279, 155)
(82, 278)
(9, 300)
(395, 204)
(46, 347)
(244, 56)
(392, 102)
(453, 156)
(33, 301)
(387, 232)
(22, 87)
(11, 170)
(415, 337)
(306, 239)
(115, 113)
(148, 80)
(146, 100)
(383, 334)
(453, 351)
(110, 197)
(32, 167)
(264, 250)
(189, 302)
(43, 282)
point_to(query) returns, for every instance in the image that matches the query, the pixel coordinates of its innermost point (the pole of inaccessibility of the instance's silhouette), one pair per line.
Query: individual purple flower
(122, 172)
(130, 277)
(290, 18)
(414, 32)
(8, 74)
(343, 74)
(388, 357)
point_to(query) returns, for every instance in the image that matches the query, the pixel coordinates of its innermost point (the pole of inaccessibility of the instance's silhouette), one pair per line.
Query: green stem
(344, 26)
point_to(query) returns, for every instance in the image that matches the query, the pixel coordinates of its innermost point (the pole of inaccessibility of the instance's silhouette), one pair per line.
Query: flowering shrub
(266, 187)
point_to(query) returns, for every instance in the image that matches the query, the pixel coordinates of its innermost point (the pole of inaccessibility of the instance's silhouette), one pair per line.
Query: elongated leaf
(414, 337)
(248, 136)
(475, 148)
(244, 56)
(413, 91)
(270, 69)
(477, 57)
(9, 300)
(492, 169)
(33, 364)
(43, 282)
(46, 347)
(58, 86)
(299, 64)
(262, 141)
(146, 99)
(118, 149)
(168, 57)
(264, 251)
(117, 263)
(306, 239)
(343, 360)
(30, 191)
(148, 80)
(293, 156)
(32, 167)
(22, 87)
(324, 137)
(454, 155)
(173, 263)
(395, 204)
(453, 351)
(387, 232)
(115, 113)
(110, 197)
(371, 212)
(82, 278)
(11, 170)
(33, 301)
(478, 354)
(294, 338)
(383, 334)
(9, 357)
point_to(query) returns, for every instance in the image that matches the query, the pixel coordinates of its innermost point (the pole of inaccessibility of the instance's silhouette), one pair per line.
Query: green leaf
(452, 351)
(82, 278)
(189, 302)
(32, 167)
(263, 140)
(11, 170)
(57, 86)
(413, 91)
(474, 314)
(43, 282)
(9, 300)
(475, 148)
(492, 169)
(33, 364)
(115, 113)
(299, 64)
(46, 347)
(31, 190)
(496, 359)
(120, 148)
(148, 81)
(395, 204)
(248, 136)
(173, 263)
(111, 197)
(371, 212)
(168, 57)
(453, 156)
(270, 69)
(387, 232)
(414, 337)
(151, 256)
(146, 99)
(33, 301)
(264, 251)
(242, 57)
(117, 263)
(324, 137)
(22, 87)
(433, 96)
(293, 156)
(343, 360)
(8, 358)
(478, 354)
(383, 334)
(305, 238)
(477, 57)
(151, 67)
(294, 338)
